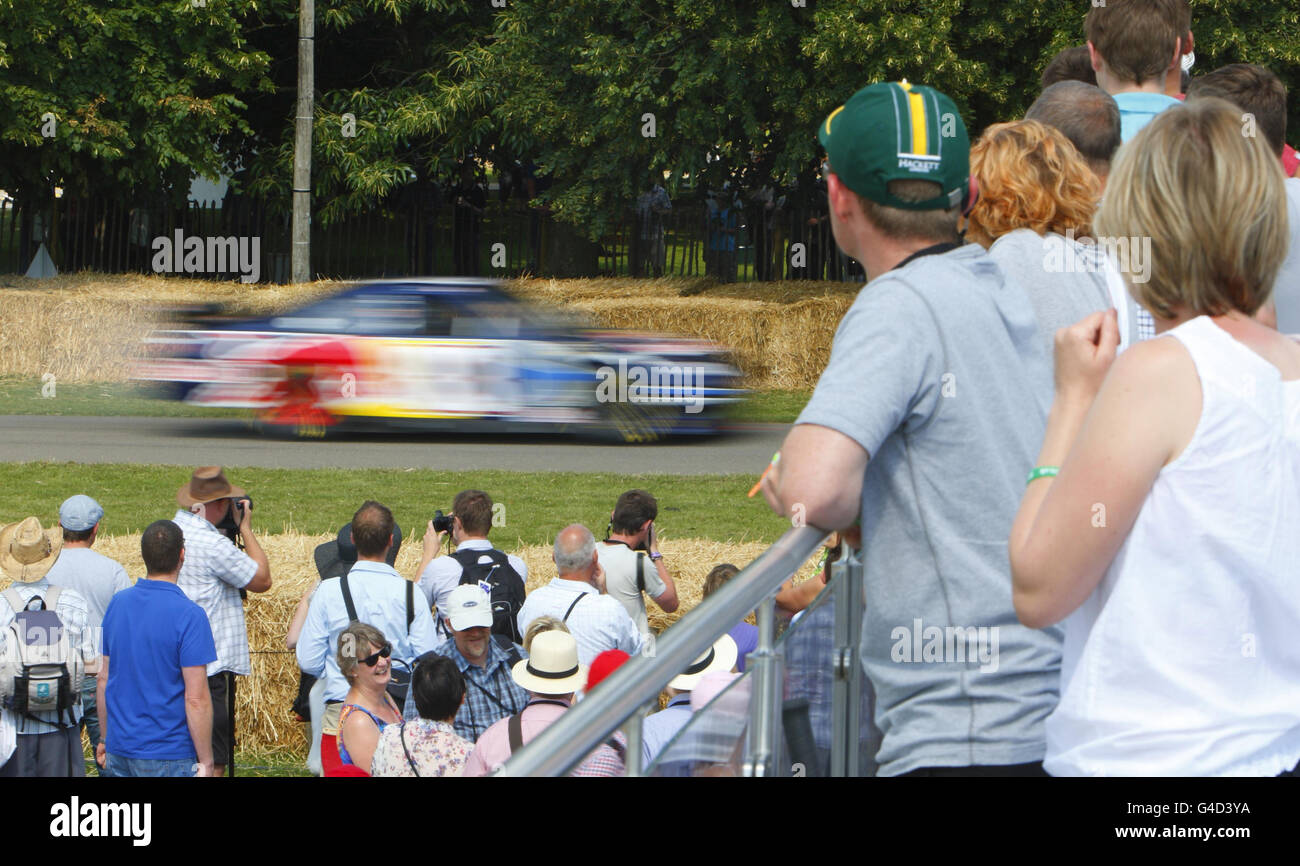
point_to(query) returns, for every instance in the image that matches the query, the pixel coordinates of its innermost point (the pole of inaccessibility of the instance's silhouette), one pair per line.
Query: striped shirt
(212, 575)
(597, 622)
(72, 611)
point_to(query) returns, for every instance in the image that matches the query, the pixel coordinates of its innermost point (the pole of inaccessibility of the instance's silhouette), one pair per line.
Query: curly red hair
(1030, 177)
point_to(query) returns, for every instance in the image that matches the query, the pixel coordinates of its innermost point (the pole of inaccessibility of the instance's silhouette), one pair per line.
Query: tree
(111, 99)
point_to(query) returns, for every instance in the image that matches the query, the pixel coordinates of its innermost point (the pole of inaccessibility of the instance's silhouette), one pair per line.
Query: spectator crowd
(1065, 407)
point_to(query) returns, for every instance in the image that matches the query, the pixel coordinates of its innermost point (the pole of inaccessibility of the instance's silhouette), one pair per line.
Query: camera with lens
(229, 525)
(441, 522)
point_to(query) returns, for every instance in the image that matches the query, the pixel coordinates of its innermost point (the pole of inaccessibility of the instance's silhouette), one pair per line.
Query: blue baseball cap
(80, 513)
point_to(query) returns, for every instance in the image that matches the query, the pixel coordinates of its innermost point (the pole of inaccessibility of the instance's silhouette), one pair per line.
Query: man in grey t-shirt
(96, 577)
(925, 423)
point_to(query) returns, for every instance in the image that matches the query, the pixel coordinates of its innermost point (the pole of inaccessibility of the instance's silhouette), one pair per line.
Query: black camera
(441, 522)
(229, 525)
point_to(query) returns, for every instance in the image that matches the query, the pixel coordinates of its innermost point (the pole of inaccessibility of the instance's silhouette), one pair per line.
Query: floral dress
(420, 748)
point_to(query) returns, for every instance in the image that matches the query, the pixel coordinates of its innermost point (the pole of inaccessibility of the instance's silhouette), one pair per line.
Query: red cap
(603, 665)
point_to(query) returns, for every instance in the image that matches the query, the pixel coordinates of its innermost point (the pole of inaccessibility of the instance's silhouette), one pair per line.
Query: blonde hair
(930, 225)
(1213, 204)
(1030, 177)
(539, 625)
(351, 640)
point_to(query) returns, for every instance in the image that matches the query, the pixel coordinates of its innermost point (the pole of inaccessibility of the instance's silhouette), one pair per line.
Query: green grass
(23, 397)
(315, 501)
(778, 407)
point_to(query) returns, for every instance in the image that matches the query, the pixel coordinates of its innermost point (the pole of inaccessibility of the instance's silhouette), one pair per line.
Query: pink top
(493, 748)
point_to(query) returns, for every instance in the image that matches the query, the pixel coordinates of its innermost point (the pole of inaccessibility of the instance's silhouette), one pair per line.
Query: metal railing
(625, 695)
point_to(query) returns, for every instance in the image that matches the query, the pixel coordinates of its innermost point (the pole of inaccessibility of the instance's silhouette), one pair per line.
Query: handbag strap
(401, 735)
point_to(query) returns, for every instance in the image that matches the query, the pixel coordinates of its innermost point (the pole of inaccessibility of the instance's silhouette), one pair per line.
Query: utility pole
(301, 259)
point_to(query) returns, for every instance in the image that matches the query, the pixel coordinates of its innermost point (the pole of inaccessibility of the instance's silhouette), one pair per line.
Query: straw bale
(265, 724)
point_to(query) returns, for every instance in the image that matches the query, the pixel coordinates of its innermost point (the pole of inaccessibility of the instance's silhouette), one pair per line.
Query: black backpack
(507, 588)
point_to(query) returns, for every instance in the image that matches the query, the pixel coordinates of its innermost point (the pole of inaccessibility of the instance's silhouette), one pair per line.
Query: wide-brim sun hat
(28, 552)
(552, 665)
(719, 658)
(207, 484)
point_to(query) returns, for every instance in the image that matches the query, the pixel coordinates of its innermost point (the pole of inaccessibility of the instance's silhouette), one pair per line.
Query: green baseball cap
(899, 131)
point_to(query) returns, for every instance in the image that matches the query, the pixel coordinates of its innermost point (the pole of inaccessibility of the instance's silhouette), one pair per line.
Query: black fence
(240, 238)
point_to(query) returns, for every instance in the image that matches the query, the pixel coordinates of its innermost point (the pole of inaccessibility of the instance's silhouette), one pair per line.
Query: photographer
(213, 513)
(632, 561)
(475, 560)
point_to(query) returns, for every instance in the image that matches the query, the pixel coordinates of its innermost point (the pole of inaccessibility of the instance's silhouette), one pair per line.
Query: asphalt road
(229, 442)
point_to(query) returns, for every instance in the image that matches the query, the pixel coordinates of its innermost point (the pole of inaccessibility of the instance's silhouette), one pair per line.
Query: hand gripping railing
(625, 693)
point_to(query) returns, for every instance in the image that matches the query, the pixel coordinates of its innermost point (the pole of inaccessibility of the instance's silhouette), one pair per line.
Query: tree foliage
(141, 92)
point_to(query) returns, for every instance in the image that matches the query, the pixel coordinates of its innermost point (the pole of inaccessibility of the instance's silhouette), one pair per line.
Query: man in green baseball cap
(900, 152)
(922, 426)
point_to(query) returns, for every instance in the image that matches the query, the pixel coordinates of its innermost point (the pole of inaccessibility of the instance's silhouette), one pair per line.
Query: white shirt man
(598, 622)
(631, 559)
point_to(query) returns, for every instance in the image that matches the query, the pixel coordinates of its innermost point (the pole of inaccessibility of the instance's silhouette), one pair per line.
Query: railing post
(846, 685)
(765, 705)
(632, 730)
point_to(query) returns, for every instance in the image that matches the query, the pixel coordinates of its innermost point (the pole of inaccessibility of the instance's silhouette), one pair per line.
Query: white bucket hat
(721, 657)
(552, 666)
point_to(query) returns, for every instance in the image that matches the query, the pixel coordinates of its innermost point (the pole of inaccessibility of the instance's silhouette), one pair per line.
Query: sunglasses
(373, 659)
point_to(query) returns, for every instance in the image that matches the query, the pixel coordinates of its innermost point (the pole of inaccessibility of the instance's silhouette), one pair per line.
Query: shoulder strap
(401, 735)
(410, 604)
(15, 600)
(515, 728)
(581, 595)
(347, 599)
(507, 647)
(640, 571)
(52, 597)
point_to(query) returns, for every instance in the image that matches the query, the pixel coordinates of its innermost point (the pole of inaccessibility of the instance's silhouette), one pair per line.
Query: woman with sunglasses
(364, 660)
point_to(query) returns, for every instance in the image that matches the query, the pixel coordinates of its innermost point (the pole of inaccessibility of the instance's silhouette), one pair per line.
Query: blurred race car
(443, 354)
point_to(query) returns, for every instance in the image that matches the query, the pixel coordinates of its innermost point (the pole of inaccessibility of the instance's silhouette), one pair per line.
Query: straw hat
(719, 658)
(207, 484)
(552, 666)
(27, 552)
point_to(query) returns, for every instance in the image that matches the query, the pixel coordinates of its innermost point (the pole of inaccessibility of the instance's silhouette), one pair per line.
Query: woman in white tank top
(1169, 542)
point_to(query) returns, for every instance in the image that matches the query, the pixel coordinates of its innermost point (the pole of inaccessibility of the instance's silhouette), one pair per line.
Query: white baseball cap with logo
(469, 606)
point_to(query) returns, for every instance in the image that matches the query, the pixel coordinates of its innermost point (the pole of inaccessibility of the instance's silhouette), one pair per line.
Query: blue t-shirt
(151, 631)
(1136, 110)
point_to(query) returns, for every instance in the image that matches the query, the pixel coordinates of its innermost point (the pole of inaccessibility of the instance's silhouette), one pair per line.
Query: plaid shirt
(490, 691)
(74, 615)
(212, 575)
(1146, 326)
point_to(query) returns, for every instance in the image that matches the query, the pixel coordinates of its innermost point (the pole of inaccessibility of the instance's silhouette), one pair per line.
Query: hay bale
(265, 724)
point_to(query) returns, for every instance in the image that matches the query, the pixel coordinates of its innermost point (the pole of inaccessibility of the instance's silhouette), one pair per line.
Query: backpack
(39, 672)
(507, 588)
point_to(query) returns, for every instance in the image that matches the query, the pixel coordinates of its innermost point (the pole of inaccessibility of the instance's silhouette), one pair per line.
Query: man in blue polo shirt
(1137, 47)
(155, 708)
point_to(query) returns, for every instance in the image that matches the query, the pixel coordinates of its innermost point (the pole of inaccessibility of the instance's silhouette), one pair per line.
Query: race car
(443, 354)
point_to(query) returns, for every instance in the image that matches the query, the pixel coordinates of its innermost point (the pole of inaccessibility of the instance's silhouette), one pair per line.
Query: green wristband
(1042, 472)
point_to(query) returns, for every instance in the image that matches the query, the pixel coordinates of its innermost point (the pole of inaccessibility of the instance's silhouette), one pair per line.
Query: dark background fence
(507, 239)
